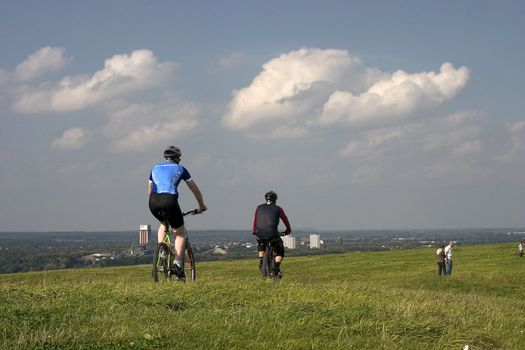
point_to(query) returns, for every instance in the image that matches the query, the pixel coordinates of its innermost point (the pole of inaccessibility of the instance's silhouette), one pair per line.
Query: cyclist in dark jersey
(265, 228)
(163, 199)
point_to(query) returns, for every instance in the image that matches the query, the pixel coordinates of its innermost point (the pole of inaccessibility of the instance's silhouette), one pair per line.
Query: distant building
(140, 250)
(93, 258)
(315, 241)
(144, 234)
(290, 242)
(219, 250)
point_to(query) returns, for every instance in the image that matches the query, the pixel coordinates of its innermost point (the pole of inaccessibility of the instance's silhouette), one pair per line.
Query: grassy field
(381, 300)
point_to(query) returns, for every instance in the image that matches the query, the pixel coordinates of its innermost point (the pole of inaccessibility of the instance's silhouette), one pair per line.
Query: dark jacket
(266, 221)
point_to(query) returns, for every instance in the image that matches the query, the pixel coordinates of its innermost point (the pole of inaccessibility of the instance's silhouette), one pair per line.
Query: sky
(359, 114)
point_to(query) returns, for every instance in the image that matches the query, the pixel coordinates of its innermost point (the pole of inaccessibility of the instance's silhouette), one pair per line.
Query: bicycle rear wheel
(189, 263)
(267, 265)
(161, 266)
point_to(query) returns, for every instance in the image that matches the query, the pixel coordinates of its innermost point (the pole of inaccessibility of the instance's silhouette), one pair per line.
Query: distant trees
(17, 261)
(37, 252)
(22, 252)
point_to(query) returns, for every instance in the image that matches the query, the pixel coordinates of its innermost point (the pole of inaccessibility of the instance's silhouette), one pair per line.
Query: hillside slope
(381, 300)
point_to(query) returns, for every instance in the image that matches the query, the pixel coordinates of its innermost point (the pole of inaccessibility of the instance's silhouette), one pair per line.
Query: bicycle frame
(164, 263)
(167, 241)
(269, 258)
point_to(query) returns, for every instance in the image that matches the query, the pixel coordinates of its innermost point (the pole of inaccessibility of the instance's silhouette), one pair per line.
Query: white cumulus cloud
(440, 147)
(308, 88)
(467, 148)
(516, 134)
(396, 97)
(121, 74)
(373, 142)
(289, 89)
(44, 60)
(4, 76)
(454, 136)
(72, 139)
(136, 127)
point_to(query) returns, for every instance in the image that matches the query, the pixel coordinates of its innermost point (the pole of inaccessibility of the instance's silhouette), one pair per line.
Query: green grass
(381, 300)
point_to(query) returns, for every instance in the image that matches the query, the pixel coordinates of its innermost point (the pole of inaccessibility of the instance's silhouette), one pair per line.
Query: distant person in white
(448, 253)
(520, 249)
(441, 257)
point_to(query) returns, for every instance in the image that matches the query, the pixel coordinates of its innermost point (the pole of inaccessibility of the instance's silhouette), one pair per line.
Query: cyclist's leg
(278, 248)
(161, 232)
(261, 247)
(176, 221)
(159, 207)
(180, 240)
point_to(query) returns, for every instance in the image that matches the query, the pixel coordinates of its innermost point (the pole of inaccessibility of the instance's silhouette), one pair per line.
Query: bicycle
(268, 264)
(163, 258)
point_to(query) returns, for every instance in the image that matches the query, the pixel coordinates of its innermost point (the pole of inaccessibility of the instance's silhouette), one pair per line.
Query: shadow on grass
(171, 305)
(177, 306)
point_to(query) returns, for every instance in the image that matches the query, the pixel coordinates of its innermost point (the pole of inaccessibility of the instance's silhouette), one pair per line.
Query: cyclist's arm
(150, 183)
(197, 193)
(254, 222)
(286, 223)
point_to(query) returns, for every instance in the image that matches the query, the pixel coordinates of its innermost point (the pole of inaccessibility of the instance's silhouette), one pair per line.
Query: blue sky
(360, 114)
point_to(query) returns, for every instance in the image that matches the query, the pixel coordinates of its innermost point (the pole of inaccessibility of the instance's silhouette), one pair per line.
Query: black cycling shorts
(276, 243)
(165, 206)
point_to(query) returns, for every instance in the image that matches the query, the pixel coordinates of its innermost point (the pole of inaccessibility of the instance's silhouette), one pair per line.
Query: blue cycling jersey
(166, 176)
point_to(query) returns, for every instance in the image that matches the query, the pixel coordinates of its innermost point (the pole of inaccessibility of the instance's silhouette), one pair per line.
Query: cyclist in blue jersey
(164, 179)
(265, 228)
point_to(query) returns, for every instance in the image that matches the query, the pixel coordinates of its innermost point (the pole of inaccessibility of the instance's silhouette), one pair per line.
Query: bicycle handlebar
(193, 212)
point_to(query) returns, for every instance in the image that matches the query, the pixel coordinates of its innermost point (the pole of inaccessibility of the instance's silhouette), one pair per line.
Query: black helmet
(172, 152)
(271, 196)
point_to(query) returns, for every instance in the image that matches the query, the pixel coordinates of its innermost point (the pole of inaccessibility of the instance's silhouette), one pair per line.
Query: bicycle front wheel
(189, 263)
(161, 258)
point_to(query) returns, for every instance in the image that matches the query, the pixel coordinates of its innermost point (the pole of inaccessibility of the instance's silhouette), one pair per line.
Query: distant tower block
(315, 241)
(290, 242)
(144, 234)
